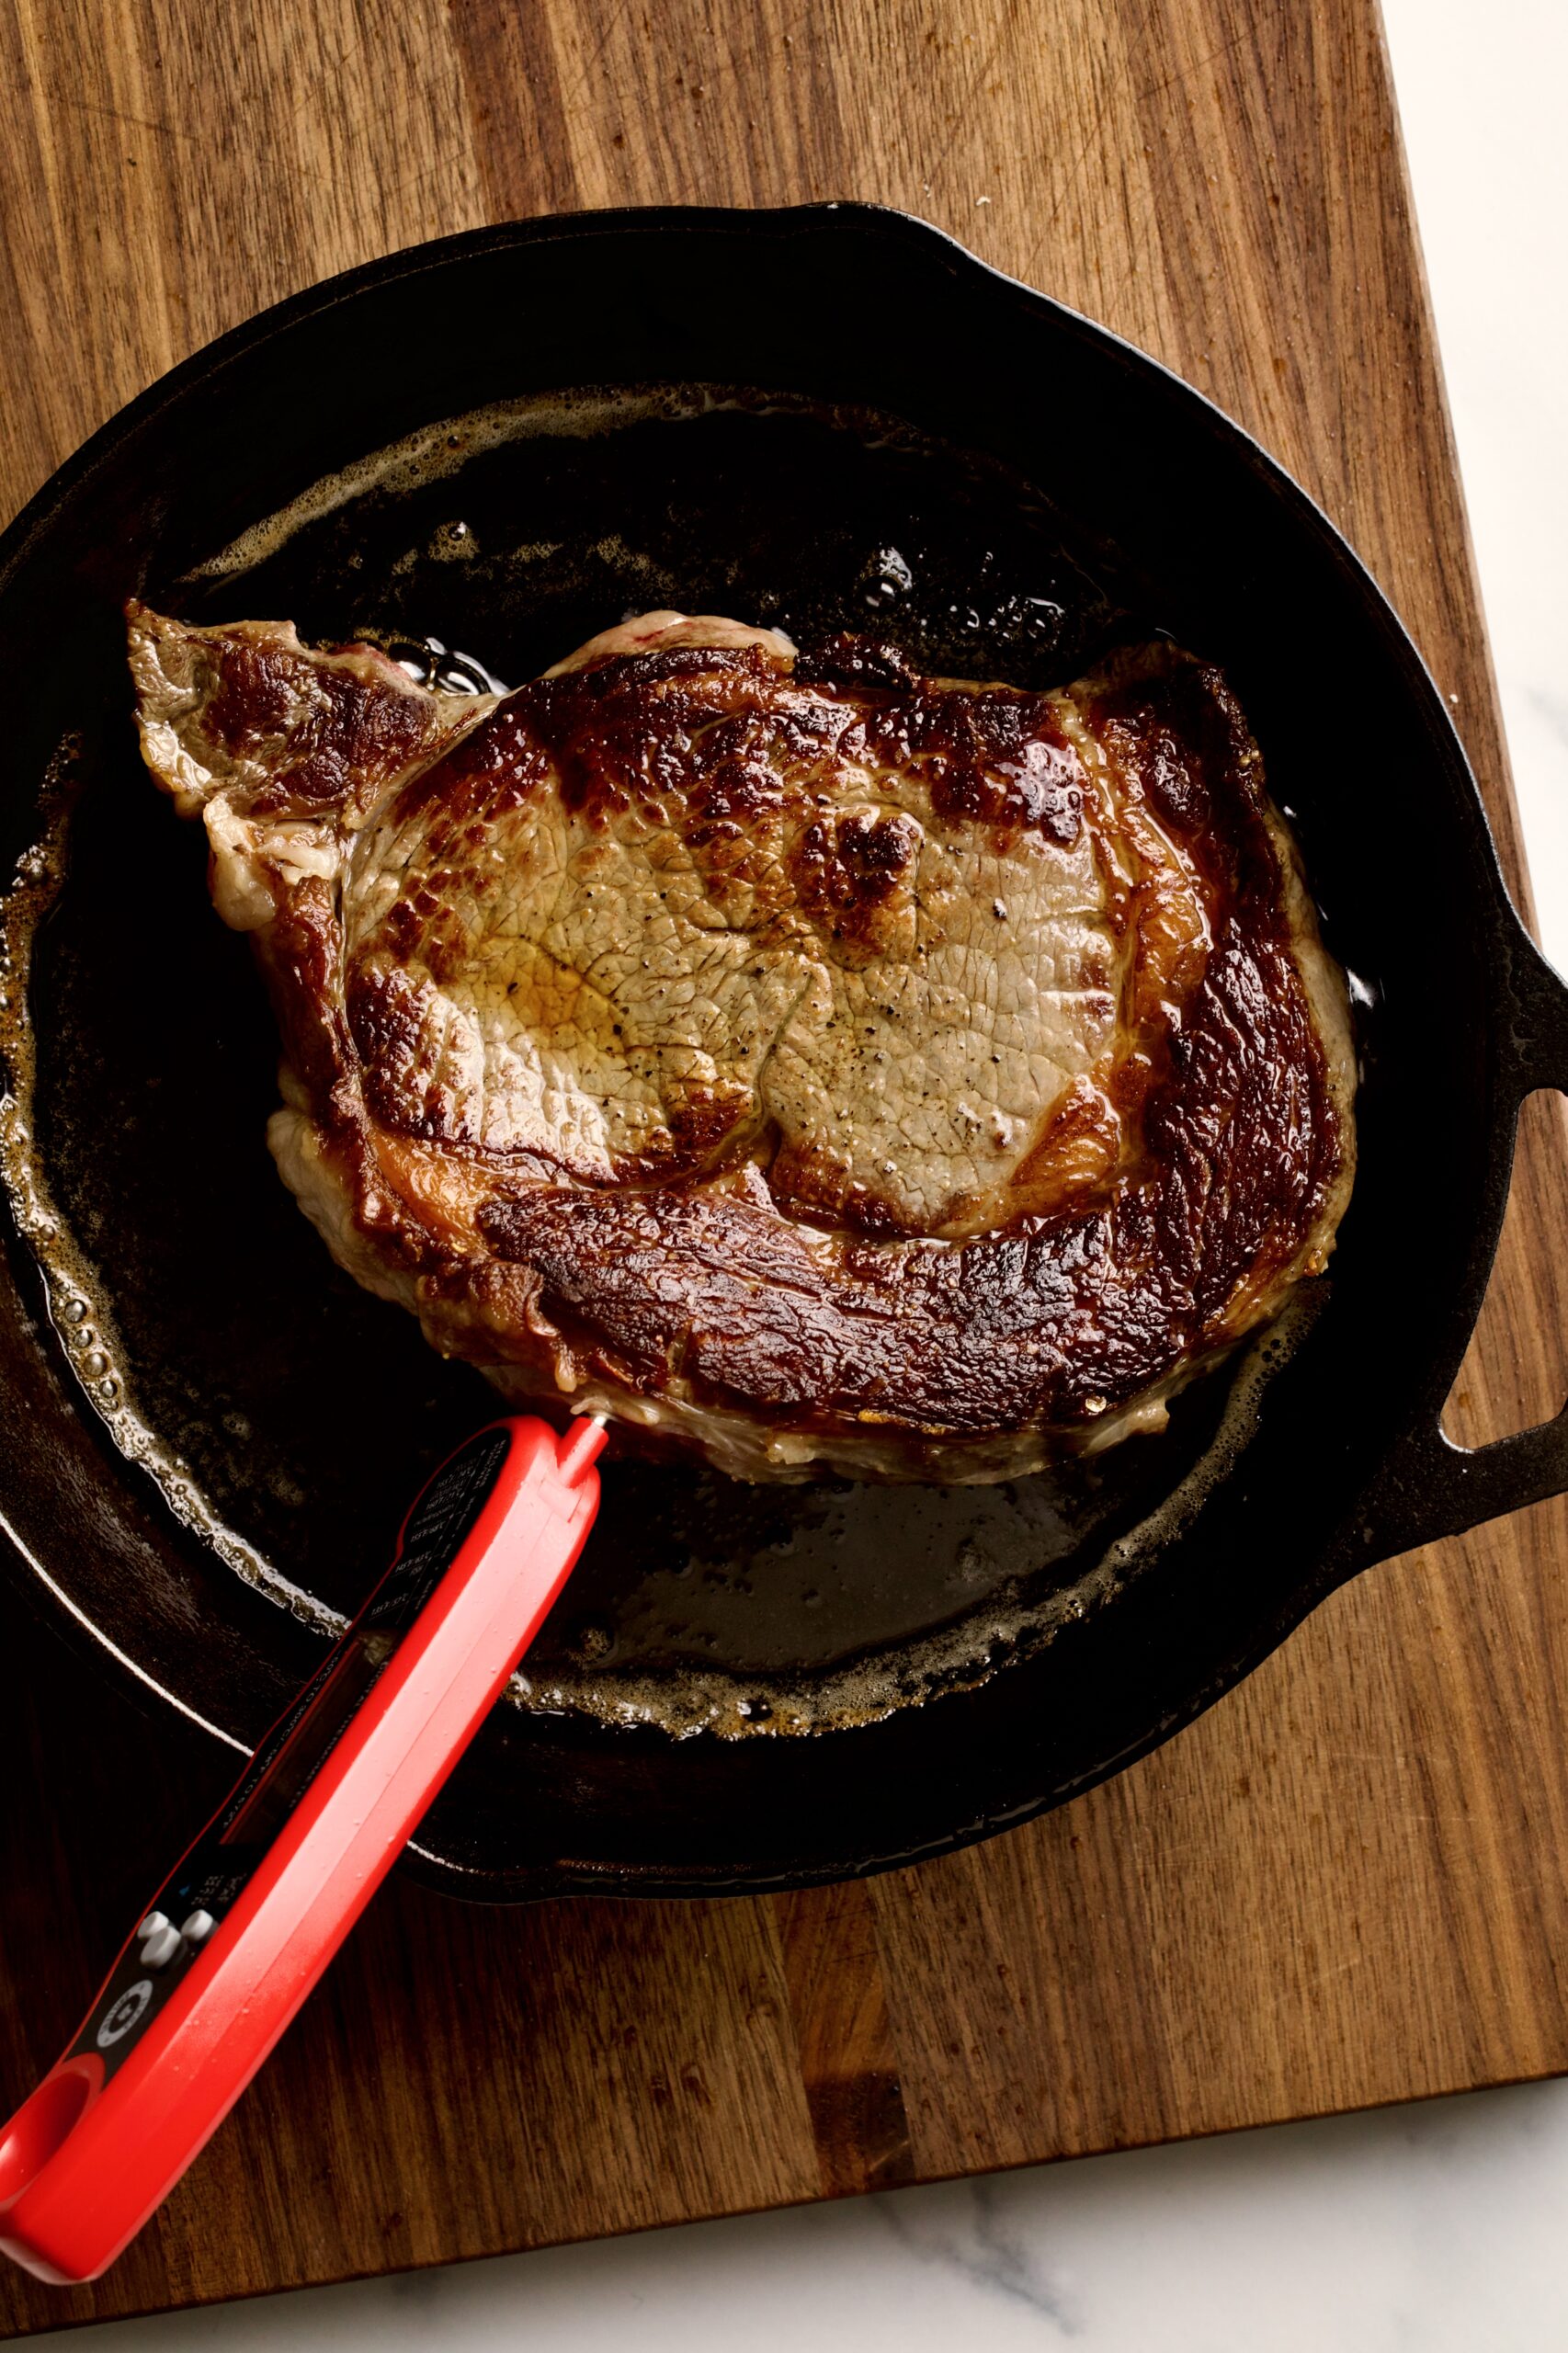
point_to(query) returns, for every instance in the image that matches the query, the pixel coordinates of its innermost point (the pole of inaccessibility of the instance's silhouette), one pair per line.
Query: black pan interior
(302, 1410)
(1014, 520)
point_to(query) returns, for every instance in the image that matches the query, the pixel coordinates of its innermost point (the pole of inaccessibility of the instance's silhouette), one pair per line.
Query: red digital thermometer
(235, 1939)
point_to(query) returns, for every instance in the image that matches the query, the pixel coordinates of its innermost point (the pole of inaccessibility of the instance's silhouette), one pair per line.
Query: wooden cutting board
(1346, 1884)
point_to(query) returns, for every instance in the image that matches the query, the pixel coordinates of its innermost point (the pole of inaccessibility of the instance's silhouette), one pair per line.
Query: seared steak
(800, 1060)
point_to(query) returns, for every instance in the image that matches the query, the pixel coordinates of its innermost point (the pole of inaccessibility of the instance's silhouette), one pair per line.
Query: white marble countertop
(1434, 2229)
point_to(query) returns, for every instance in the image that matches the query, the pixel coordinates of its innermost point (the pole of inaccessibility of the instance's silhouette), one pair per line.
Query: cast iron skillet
(310, 1411)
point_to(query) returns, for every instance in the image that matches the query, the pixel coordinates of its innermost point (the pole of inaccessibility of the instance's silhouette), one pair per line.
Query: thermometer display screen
(189, 1908)
(287, 1762)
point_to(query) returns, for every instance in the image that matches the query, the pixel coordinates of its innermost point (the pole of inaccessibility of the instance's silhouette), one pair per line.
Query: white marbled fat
(1436, 2229)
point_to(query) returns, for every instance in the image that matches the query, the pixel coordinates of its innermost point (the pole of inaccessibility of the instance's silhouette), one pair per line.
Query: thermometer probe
(226, 1953)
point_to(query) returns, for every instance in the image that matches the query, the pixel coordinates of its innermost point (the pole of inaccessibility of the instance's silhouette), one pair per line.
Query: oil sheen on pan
(706, 1602)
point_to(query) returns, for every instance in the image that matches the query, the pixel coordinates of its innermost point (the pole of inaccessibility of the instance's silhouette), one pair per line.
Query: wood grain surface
(1345, 1884)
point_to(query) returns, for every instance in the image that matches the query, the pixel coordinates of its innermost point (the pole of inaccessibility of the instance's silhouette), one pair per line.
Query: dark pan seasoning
(268, 1403)
(1121, 1600)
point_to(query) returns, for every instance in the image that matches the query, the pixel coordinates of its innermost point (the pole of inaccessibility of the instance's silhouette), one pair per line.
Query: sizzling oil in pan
(286, 1415)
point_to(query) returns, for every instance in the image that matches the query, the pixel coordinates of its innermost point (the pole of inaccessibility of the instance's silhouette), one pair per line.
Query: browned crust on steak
(723, 1286)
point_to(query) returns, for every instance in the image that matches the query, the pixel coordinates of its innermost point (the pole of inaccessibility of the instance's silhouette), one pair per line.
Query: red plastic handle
(100, 2143)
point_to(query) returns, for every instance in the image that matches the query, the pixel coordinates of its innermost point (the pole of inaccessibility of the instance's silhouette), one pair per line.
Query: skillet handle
(1430, 1488)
